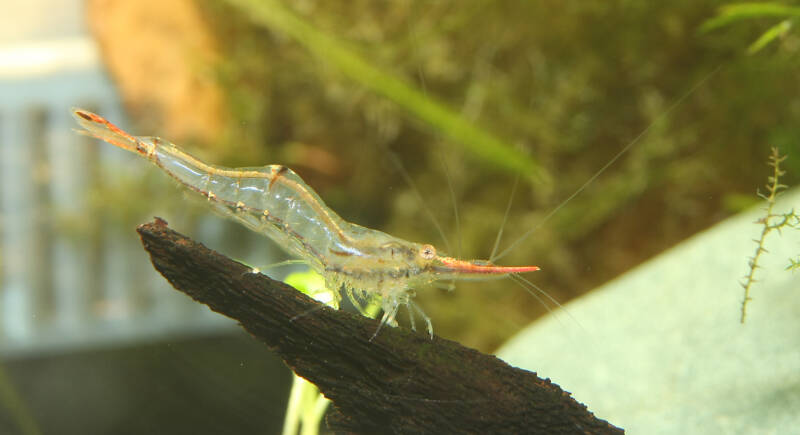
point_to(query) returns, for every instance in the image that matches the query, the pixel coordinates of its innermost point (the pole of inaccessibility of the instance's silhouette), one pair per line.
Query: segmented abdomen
(272, 200)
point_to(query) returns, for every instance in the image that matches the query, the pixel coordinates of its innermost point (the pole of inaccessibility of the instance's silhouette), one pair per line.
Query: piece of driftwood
(400, 382)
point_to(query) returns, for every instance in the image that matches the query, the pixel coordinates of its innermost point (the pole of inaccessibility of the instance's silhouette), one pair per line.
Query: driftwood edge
(400, 382)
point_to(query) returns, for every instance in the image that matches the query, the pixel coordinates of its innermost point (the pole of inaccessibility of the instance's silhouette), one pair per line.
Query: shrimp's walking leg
(415, 307)
(390, 312)
(387, 318)
(411, 317)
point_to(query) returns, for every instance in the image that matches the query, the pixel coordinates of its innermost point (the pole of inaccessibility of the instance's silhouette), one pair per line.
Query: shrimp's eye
(427, 252)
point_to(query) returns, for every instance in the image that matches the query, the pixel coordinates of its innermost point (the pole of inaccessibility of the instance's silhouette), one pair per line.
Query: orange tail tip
(84, 116)
(99, 127)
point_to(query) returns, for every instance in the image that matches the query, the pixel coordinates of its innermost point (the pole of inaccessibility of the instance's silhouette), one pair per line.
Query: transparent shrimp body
(273, 200)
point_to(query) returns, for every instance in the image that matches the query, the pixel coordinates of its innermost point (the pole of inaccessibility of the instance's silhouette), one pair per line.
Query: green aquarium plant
(307, 405)
(736, 12)
(771, 221)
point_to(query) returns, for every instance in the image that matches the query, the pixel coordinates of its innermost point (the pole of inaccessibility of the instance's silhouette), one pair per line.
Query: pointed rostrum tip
(453, 265)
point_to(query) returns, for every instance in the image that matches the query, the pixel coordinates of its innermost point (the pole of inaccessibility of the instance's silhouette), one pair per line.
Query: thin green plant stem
(773, 188)
(486, 147)
(314, 410)
(11, 400)
(291, 421)
(317, 412)
(306, 405)
(730, 13)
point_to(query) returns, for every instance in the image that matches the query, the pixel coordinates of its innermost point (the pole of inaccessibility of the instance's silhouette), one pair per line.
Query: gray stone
(660, 350)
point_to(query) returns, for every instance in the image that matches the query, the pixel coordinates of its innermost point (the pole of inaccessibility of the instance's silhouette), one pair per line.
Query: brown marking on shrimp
(281, 170)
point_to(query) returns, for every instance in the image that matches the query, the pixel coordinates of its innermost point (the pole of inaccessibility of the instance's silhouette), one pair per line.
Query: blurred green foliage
(271, 14)
(568, 83)
(15, 407)
(735, 12)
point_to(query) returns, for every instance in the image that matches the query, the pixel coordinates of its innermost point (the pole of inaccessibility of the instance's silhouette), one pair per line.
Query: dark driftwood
(400, 382)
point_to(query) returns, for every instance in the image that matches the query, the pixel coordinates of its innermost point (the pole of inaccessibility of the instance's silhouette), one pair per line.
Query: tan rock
(162, 57)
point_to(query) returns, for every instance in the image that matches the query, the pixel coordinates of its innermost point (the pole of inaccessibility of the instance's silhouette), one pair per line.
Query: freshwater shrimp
(273, 200)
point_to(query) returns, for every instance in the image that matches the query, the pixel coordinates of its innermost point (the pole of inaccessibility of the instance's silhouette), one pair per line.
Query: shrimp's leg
(390, 312)
(388, 318)
(411, 316)
(415, 307)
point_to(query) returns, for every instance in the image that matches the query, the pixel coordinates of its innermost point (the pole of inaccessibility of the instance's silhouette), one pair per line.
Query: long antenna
(505, 219)
(407, 178)
(454, 203)
(610, 162)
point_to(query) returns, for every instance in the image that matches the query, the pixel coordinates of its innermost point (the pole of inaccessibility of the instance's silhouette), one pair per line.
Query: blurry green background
(468, 97)
(333, 89)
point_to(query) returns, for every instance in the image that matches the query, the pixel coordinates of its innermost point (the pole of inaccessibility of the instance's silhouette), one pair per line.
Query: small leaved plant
(771, 221)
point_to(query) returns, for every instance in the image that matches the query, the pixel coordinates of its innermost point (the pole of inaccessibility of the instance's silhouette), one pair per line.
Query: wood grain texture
(400, 382)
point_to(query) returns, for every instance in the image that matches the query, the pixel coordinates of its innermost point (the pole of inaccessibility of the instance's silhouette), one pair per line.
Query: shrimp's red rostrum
(274, 200)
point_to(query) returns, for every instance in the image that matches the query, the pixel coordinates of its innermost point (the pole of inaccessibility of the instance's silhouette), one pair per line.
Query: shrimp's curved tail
(100, 128)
